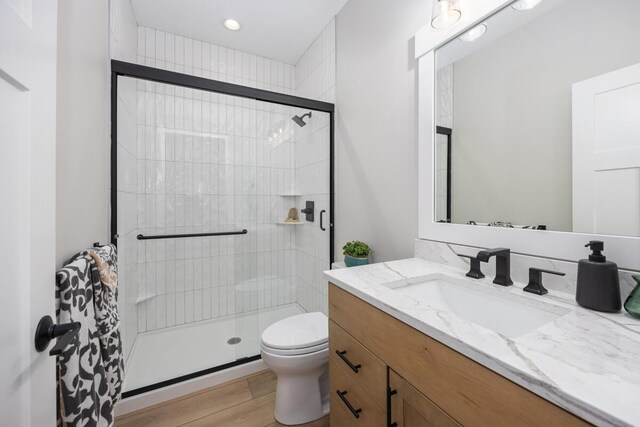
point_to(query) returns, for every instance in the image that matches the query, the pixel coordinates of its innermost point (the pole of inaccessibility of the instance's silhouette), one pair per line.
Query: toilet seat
(301, 334)
(295, 351)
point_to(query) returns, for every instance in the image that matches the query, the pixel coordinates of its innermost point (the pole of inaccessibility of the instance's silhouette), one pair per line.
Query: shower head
(300, 119)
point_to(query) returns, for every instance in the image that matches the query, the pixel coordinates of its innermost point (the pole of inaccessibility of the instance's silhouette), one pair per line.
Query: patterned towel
(107, 262)
(90, 370)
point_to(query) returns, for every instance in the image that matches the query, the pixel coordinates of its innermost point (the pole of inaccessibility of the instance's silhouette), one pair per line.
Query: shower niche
(204, 174)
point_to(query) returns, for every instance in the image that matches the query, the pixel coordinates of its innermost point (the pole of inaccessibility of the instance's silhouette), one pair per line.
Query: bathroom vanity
(401, 355)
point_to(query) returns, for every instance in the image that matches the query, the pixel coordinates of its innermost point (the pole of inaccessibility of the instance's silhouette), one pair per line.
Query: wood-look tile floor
(245, 403)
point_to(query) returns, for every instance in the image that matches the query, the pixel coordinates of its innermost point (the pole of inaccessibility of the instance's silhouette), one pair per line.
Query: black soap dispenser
(598, 285)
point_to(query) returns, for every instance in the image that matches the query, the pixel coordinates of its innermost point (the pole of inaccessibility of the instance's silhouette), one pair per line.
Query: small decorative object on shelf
(356, 253)
(293, 215)
(632, 304)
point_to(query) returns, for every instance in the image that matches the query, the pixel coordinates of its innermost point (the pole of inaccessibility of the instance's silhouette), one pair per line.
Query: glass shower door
(213, 243)
(186, 168)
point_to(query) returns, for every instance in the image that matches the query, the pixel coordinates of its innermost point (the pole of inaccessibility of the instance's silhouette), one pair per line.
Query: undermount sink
(502, 312)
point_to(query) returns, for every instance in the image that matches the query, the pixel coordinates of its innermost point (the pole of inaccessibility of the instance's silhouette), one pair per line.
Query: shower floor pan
(169, 353)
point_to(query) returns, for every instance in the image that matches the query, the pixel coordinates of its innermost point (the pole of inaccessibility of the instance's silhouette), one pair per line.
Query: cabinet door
(410, 408)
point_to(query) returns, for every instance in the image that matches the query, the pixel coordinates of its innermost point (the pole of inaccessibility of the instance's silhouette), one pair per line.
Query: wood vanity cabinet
(383, 372)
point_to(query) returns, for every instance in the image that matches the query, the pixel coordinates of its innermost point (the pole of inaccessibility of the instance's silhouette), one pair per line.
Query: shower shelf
(290, 223)
(140, 300)
(290, 195)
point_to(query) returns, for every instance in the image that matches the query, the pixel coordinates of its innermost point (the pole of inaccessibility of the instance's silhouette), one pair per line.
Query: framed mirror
(534, 126)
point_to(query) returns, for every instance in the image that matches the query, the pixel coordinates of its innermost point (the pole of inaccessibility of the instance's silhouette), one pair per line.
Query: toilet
(297, 351)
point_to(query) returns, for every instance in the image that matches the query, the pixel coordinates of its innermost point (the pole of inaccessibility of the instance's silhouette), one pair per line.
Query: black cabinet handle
(354, 411)
(390, 393)
(47, 331)
(342, 356)
(322, 212)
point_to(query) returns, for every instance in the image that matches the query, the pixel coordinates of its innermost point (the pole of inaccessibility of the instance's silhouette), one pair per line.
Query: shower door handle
(322, 212)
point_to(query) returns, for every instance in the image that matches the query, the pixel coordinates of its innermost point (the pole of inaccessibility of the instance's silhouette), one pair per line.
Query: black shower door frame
(141, 72)
(128, 69)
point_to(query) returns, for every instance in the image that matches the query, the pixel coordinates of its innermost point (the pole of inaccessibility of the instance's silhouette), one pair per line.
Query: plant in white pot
(356, 253)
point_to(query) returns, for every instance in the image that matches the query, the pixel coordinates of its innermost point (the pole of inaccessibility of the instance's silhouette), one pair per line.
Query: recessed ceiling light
(474, 34)
(525, 4)
(231, 24)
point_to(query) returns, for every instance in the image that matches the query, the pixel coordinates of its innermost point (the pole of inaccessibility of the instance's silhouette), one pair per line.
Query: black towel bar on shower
(178, 236)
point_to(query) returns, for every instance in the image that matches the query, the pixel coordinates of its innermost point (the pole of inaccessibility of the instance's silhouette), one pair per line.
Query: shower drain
(234, 340)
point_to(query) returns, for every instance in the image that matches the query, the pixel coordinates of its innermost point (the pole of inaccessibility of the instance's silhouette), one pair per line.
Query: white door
(27, 208)
(606, 153)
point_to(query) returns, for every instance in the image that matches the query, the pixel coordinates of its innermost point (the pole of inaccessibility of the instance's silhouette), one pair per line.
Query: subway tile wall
(209, 162)
(191, 161)
(123, 46)
(315, 78)
(185, 55)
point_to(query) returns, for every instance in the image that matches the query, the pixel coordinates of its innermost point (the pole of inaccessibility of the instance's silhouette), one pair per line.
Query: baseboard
(154, 397)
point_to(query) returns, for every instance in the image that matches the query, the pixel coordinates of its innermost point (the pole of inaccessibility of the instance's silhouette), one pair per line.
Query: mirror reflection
(538, 119)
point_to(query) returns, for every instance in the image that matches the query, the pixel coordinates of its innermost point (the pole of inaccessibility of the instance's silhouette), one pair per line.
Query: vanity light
(474, 34)
(525, 4)
(231, 24)
(445, 13)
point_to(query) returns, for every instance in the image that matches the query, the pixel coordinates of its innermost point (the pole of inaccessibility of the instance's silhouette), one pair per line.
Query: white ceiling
(277, 29)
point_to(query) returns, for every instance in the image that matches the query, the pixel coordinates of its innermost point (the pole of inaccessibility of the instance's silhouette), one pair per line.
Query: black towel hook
(47, 331)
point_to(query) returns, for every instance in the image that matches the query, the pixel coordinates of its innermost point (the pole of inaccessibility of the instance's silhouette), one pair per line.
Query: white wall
(376, 129)
(82, 177)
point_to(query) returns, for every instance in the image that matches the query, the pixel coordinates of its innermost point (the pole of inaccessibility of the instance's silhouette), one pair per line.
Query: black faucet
(503, 264)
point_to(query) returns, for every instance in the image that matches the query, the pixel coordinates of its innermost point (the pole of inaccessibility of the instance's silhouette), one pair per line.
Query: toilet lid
(300, 331)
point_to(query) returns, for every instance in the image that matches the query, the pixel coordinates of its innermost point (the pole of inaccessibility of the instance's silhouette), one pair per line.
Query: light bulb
(231, 24)
(474, 34)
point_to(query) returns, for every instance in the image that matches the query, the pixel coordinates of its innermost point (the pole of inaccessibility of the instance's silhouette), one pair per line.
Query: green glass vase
(632, 304)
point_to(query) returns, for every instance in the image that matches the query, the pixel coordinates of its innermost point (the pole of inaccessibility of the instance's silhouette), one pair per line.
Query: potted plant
(356, 253)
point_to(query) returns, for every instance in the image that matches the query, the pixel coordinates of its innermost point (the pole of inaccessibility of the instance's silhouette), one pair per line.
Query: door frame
(141, 72)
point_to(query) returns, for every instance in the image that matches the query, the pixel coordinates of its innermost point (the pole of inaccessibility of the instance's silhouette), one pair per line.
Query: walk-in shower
(204, 174)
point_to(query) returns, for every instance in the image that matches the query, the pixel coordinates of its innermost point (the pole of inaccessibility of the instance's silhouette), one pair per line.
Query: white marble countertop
(586, 362)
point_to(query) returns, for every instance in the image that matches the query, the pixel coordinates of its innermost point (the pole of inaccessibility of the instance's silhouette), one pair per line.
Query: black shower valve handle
(308, 210)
